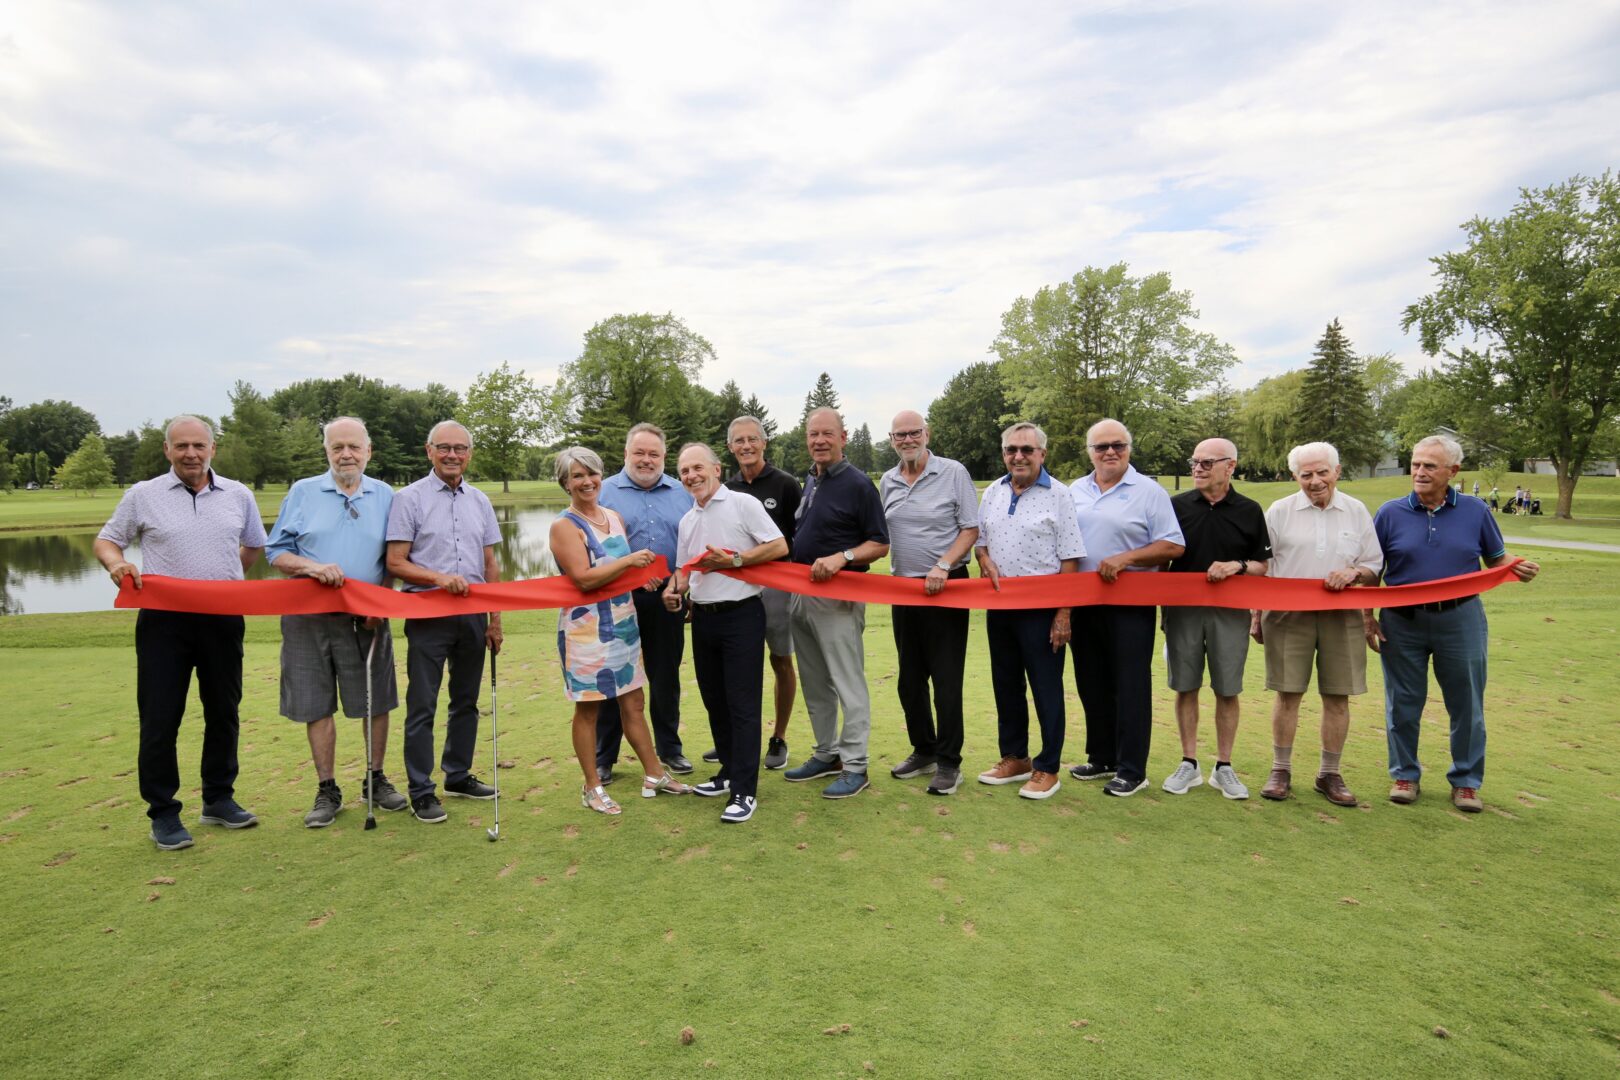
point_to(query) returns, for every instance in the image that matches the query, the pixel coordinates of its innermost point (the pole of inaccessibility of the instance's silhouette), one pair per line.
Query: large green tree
(1541, 288)
(505, 412)
(965, 421)
(1265, 424)
(251, 447)
(632, 368)
(1334, 405)
(1102, 344)
(54, 428)
(87, 468)
(397, 419)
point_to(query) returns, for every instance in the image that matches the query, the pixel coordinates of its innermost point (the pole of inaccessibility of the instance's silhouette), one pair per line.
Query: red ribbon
(302, 596)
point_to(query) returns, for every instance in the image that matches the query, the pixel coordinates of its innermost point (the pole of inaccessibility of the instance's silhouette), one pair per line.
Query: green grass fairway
(980, 935)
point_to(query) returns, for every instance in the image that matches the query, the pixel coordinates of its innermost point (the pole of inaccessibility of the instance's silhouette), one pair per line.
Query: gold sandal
(598, 799)
(652, 787)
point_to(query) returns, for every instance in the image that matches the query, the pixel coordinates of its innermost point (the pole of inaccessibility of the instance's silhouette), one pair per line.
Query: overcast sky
(192, 194)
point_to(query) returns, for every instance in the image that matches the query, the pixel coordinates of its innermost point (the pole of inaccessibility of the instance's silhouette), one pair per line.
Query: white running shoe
(1225, 781)
(1186, 776)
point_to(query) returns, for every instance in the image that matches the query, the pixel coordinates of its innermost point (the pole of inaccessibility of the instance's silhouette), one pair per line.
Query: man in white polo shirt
(729, 530)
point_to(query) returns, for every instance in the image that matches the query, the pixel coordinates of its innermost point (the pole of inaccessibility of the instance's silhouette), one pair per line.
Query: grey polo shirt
(448, 527)
(188, 534)
(927, 516)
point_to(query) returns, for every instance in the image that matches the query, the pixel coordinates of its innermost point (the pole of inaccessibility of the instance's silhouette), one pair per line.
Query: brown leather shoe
(1279, 785)
(1009, 770)
(1042, 785)
(1332, 786)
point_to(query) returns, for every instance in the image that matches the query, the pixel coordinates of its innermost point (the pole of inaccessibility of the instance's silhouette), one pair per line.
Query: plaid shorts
(323, 655)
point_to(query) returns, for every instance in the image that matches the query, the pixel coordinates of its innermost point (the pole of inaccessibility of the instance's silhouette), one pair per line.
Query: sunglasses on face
(1020, 451)
(1105, 447)
(1206, 462)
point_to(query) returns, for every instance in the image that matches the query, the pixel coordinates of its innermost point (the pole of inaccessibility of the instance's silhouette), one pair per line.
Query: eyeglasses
(1016, 451)
(451, 448)
(900, 436)
(1207, 462)
(1116, 447)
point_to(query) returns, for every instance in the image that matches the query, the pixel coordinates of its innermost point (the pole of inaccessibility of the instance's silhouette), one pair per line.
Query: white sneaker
(1225, 781)
(738, 810)
(1186, 776)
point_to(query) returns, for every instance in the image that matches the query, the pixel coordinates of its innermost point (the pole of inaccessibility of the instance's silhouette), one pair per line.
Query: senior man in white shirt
(729, 530)
(1317, 532)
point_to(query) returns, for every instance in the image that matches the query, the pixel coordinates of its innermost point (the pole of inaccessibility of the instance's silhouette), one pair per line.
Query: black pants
(728, 653)
(1113, 673)
(1020, 649)
(457, 640)
(168, 646)
(932, 645)
(663, 646)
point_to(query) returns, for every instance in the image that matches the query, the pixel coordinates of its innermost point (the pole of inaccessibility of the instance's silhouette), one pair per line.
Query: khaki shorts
(1334, 639)
(1192, 634)
(778, 634)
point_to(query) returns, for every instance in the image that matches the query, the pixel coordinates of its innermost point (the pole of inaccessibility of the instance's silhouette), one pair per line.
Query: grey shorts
(321, 656)
(1334, 639)
(1194, 634)
(778, 634)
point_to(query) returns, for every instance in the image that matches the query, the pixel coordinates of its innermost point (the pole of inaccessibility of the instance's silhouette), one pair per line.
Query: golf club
(371, 803)
(495, 747)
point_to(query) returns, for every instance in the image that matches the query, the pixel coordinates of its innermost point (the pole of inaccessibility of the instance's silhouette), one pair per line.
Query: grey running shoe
(915, 765)
(1225, 781)
(386, 794)
(328, 801)
(428, 809)
(1184, 778)
(945, 782)
(776, 753)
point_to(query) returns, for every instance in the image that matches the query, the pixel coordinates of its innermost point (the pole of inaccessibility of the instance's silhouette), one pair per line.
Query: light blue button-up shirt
(1132, 514)
(448, 527)
(318, 521)
(652, 516)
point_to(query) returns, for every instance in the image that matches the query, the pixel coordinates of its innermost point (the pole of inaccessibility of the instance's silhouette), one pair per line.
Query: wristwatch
(1243, 566)
(736, 561)
(849, 556)
(943, 565)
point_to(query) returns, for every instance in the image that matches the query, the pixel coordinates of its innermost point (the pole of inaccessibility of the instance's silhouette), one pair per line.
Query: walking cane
(495, 746)
(371, 802)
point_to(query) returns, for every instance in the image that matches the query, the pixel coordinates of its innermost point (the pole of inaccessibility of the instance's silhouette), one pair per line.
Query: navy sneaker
(227, 813)
(847, 784)
(1121, 788)
(812, 767)
(738, 810)
(469, 787)
(1090, 770)
(168, 834)
(712, 787)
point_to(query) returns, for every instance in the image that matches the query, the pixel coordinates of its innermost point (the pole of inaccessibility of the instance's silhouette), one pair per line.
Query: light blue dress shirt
(318, 521)
(1132, 514)
(652, 516)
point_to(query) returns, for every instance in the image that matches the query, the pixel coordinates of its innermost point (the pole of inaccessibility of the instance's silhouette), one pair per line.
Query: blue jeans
(1456, 640)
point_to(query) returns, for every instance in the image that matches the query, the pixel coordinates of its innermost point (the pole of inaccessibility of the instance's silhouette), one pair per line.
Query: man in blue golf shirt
(1436, 533)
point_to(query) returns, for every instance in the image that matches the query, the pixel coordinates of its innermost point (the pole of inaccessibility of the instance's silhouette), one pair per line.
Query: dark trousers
(1020, 650)
(932, 645)
(728, 653)
(663, 646)
(169, 645)
(457, 640)
(1113, 673)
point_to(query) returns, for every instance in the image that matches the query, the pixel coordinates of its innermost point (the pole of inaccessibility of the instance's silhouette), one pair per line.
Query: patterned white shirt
(188, 534)
(1030, 533)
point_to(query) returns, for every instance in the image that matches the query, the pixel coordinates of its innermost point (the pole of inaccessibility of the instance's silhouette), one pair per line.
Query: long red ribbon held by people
(301, 596)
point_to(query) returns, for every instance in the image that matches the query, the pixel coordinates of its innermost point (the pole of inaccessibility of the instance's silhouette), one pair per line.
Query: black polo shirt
(777, 491)
(1234, 528)
(841, 509)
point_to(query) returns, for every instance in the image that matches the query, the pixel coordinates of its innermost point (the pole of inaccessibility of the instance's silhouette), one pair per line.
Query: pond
(57, 572)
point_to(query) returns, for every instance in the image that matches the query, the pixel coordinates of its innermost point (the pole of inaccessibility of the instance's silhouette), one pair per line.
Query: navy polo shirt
(1423, 545)
(841, 509)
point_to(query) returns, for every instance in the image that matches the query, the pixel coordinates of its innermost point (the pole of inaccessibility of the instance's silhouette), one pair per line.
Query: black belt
(720, 605)
(1438, 606)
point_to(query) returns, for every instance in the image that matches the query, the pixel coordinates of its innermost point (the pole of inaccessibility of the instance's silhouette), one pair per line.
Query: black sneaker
(916, 764)
(712, 788)
(1090, 770)
(227, 813)
(469, 787)
(1123, 788)
(428, 809)
(677, 764)
(711, 756)
(168, 834)
(776, 754)
(328, 801)
(739, 810)
(387, 796)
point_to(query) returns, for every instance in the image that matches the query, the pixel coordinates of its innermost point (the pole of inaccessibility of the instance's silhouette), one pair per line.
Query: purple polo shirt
(188, 534)
(448, 527)
(1422, 544)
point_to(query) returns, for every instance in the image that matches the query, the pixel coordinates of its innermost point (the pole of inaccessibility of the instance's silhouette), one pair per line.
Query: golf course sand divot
(21, 811)
(59, 858)
(506, 871)
(319, 920)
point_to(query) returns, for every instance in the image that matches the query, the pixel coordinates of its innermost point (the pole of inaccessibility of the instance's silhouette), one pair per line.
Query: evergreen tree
(859, 448)
(756, 408)
(822, 396)
(1333, 403)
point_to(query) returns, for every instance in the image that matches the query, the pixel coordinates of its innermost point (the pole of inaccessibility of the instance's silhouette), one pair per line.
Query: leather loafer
(1332, 787)
(1279, 785)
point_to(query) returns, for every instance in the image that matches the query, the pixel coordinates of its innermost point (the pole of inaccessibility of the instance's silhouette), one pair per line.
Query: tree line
(1524, 323)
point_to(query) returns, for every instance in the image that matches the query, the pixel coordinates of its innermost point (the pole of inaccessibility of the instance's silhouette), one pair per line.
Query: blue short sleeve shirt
(1424, 545)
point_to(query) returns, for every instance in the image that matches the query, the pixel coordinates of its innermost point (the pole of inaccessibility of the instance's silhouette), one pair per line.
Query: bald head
(908, 433)
(1213, 462)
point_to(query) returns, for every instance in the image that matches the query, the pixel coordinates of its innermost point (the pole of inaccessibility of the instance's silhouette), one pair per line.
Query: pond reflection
(57, 572)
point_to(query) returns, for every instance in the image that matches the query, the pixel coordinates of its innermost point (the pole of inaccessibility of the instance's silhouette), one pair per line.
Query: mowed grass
(891, 934)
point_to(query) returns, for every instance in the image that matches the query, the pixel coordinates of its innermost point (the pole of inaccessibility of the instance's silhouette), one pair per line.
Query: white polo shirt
(1030, 533)
(1308, 541)
(732, 521)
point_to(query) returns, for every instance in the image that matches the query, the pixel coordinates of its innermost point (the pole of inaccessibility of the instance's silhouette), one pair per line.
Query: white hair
(434, 431)
(1129, 440)
(1449, 447)
(708, 452)
(576, 455)
(731, 428)
(351, 420)
(187, 418)
(1310, 452)
(1024, 425)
